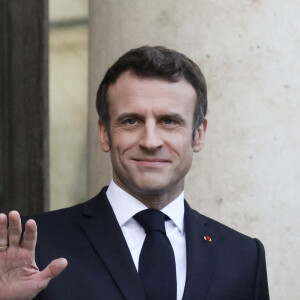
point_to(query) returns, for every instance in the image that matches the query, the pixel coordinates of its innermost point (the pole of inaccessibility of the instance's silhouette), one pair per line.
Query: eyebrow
(175, 116)
(127, 115)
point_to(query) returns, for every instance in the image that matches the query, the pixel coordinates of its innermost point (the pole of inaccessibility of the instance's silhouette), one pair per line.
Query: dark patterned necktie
(157, 262)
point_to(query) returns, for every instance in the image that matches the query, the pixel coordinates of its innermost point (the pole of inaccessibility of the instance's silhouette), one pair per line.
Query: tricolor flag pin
(207, 238)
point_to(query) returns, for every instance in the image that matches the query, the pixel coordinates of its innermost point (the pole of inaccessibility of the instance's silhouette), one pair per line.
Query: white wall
(68, 68)
(246, 176)
(67, 10)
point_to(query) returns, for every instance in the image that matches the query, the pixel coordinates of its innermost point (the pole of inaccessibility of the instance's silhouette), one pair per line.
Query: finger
(30, 236)
(52, 270)
(15, 229)
(3, 230)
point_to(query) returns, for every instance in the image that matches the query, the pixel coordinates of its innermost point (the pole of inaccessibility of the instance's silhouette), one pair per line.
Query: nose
(151, 138)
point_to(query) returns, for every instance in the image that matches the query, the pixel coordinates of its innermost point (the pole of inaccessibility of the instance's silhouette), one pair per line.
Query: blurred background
(247, 174)
(68, 106)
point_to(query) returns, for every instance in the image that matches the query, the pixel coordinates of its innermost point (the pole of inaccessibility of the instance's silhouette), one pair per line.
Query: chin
(151, 188)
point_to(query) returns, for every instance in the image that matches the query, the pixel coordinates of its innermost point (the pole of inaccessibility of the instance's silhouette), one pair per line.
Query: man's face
(150, 140)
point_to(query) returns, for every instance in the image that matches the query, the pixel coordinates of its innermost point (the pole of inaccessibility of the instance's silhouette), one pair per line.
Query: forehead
(131, 90)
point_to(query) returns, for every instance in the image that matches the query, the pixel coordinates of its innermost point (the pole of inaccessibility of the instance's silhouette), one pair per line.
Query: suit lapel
(104, 233)
(201, 255)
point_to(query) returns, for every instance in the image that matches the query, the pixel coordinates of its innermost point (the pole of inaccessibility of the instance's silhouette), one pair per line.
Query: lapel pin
(207, 238)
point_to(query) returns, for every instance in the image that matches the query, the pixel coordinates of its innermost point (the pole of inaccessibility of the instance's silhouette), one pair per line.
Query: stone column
(24, 105)
(247, 175)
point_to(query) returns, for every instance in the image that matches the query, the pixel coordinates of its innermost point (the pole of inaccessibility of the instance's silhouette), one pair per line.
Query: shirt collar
(125, 206)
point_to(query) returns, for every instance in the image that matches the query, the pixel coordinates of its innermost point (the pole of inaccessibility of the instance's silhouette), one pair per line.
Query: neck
(151, 198)
(155, 201)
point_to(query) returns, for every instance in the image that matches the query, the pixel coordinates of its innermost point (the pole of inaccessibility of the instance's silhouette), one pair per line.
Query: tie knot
(151, 220)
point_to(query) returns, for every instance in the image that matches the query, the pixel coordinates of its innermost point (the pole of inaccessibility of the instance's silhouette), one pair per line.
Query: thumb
(52, 270)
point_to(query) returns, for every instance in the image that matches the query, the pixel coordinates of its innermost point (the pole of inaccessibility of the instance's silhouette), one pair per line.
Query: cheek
(188, 153)
(122, 143)
(182, 145)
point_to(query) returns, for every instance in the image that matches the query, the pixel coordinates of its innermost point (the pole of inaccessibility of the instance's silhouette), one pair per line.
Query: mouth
(152, 162)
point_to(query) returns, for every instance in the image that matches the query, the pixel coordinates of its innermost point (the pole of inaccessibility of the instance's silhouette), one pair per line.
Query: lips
(151, 162)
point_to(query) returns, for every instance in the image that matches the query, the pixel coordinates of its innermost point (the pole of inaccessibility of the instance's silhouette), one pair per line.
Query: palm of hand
(19, 276)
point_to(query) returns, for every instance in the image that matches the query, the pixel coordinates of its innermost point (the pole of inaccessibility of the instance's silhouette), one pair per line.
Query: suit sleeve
(261, 287)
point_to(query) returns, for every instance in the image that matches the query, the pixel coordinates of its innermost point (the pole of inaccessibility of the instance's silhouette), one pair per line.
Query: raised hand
(19, 276)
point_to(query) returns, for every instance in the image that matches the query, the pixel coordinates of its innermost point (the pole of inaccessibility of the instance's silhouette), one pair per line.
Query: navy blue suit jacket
(230, 267)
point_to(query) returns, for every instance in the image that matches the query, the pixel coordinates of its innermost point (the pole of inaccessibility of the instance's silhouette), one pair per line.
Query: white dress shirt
(126, 206)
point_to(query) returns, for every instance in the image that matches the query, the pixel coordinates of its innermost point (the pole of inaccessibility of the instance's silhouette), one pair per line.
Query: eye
(131, 121)
(168, 121)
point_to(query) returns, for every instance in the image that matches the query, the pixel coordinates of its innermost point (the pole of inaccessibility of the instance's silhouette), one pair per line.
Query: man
(152, 106)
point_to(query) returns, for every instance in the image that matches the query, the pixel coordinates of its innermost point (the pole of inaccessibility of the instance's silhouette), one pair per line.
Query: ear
(103, 137)
(199, 136)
